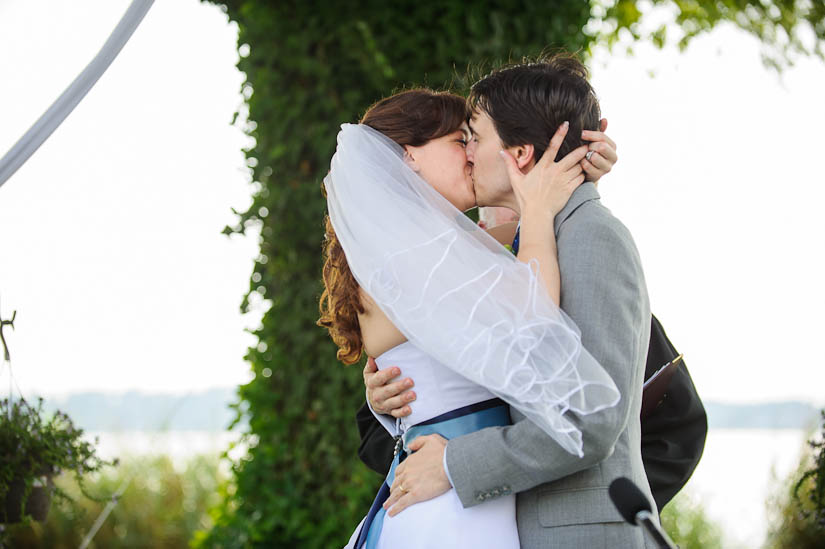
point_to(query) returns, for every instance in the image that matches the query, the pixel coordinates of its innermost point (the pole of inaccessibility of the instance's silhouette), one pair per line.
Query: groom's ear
(525, 156)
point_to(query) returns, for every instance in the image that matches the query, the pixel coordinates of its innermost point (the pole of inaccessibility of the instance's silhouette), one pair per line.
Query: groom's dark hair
(529, 101)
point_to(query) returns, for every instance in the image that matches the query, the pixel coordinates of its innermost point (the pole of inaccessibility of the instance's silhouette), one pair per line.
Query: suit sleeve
(604, 293)
(673, 437)
(376, 443)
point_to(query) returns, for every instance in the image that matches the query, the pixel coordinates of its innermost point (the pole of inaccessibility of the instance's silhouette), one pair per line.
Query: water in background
(736, 477)
(740, 470)
(178, 445)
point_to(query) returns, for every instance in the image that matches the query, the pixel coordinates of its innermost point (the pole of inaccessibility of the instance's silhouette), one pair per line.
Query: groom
(562, 499)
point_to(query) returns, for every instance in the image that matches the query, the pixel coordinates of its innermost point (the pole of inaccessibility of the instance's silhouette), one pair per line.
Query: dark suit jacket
(673, 436)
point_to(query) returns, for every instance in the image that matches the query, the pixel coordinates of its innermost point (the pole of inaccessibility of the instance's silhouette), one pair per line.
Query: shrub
(798, 510)
(161, 507)
(685, 521)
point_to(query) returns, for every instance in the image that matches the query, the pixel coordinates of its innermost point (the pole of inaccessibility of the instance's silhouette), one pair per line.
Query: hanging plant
(34, 448)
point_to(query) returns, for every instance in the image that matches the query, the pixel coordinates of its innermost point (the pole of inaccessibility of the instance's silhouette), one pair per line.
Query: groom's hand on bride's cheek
(385, 394)
(603, 151)
(421, 476)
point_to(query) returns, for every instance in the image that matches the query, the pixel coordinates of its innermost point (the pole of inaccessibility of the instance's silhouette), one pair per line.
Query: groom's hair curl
(412, 117)
(527, 102)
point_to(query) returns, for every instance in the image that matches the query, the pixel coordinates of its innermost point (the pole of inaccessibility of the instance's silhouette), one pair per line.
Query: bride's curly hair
(412, 117)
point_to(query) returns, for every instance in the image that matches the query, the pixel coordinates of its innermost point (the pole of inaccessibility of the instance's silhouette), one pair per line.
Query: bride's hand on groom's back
(385, 393)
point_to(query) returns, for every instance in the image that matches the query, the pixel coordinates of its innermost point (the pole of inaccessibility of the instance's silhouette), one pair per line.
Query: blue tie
(515, 239)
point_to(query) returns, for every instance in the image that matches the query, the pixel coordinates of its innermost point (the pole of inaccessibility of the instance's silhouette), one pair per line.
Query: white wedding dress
(441, 522)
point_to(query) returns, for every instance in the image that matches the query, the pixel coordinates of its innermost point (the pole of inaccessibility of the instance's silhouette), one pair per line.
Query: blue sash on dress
(467, 419)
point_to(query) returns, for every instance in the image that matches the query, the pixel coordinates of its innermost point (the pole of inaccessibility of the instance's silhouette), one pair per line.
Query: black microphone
(635, 508)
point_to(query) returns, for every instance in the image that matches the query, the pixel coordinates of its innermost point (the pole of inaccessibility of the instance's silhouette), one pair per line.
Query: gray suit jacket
(562, 499)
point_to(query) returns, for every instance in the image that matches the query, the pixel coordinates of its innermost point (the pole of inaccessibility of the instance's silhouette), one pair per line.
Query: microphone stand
(644, 518)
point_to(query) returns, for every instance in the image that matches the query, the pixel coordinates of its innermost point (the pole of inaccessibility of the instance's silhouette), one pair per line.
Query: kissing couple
(529, 361)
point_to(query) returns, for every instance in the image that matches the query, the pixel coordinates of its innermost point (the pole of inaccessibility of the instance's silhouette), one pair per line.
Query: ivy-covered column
(311, 66)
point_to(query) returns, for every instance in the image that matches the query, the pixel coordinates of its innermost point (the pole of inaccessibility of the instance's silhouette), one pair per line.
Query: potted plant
(34, 447)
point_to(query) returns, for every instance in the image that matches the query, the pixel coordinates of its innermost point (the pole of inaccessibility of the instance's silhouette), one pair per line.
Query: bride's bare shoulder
(378, 333)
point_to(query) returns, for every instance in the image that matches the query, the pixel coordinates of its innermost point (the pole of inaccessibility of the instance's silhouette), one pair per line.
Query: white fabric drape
(455, 292)
(74, 94)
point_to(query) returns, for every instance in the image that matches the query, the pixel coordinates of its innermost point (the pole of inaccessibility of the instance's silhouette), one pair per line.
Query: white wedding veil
(455, 292)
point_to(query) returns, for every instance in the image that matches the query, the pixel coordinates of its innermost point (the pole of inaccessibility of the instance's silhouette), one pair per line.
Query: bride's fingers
(599, 162)
(572, 158)
(574, 170)
(593, 173)
(555, 144)
(598, 137)
(605, 150)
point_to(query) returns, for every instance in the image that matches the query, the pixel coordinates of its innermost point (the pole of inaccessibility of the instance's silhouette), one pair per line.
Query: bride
(413, 282)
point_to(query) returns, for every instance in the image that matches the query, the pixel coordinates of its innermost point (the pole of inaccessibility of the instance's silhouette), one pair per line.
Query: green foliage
(312, 66)
(797, 511)
(813, 480)
(33, 446)
(687, 524)
(161, 507)
(782, 26)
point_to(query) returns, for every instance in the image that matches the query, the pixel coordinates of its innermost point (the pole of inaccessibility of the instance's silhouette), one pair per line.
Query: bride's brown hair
(411, 117)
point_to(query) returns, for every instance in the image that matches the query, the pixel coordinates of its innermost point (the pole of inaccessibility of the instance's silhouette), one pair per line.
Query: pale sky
(110, 244)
